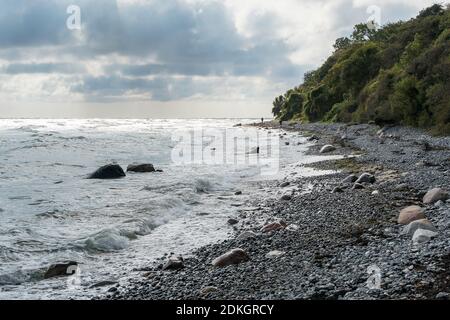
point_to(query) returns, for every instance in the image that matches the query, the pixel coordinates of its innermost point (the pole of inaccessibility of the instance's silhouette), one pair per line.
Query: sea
(51, 213)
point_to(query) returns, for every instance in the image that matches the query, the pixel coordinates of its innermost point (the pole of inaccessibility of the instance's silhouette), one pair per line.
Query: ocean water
(50, 212)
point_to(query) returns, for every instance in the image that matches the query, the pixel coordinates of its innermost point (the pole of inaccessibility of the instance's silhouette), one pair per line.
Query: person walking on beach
(262, 120)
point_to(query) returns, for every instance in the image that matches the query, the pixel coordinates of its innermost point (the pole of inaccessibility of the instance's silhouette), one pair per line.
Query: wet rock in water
(234, 256)
(274, 226)
(110, 171)
(434, 195)
(313, 138)
(206, 290)
(232, 221)
(350, 179)
(410, 214)
(246, 235)
(358, 186)
(238, 193)
(366, 178)
(411, 228)
(286, 143)
(286, 197)
(61, 269)
(141, 168)
(327, 148)
(284, 184)
(275, 254)
(337, 190)
(174, 263)
(423, 235)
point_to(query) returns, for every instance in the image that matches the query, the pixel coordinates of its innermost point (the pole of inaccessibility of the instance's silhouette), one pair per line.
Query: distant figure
(257, 150)
(281, 123)
(262, 120)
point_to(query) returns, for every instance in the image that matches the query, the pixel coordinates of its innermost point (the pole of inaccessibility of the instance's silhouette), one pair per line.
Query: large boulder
(234, 256)
(423, 235)
(411, 228)
(286, 197)
(327, 148)
(434, 195)
(350, 179)
(61, 269)
(410, 214)
(174, 263)
(274, 226)
(110, 171)
(246, 235)
(366, 178)
(313, 138)
(141, 168)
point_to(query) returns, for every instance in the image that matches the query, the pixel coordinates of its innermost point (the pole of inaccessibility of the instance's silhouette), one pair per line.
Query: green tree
(342, 43)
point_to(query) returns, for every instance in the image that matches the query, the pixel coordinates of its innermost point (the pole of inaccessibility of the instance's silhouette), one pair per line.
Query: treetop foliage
(399, 73)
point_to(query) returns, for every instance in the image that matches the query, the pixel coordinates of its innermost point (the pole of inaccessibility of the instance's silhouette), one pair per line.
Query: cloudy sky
(169, 58)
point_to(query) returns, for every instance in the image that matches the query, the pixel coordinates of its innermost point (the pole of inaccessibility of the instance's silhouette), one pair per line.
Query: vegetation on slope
(399, 73)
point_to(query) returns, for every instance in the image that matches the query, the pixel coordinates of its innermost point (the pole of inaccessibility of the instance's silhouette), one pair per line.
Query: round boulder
(234, 256)
(423, 235)
(141, 168)
(246, 235)
(350, 179)
(274, 226)
(410, 214)
(174, 263)
(327, 148)
(434, 195)
(61, 269)
(366, 178)
(110, 171)
(418, 224)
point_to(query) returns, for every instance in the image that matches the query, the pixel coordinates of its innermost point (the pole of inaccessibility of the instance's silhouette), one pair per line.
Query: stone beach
(339, 240)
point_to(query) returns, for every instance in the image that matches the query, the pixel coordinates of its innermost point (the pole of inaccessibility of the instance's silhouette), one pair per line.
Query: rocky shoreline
(338, 240)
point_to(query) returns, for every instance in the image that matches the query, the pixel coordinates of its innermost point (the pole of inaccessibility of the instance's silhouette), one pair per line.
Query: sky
(169, 58)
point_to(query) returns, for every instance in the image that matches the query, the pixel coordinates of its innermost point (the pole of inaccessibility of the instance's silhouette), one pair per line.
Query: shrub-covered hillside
(399, 73)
